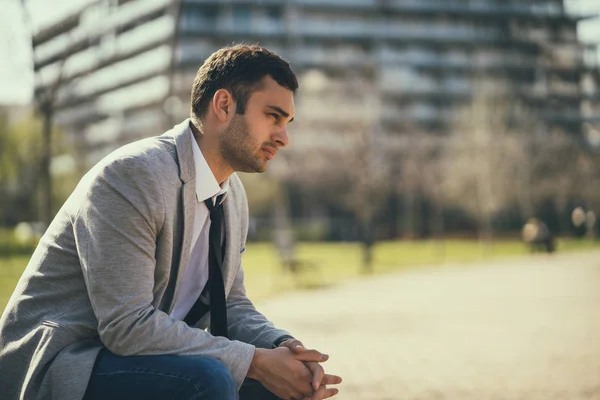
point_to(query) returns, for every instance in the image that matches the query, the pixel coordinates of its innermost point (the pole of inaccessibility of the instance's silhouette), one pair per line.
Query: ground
(523, 328)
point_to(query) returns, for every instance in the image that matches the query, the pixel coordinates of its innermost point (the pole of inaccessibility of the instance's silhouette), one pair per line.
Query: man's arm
(116, 228)
(245, 322)
(306, 380)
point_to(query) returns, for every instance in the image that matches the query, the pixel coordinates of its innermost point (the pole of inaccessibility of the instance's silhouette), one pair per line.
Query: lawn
(330, 263)
(334, 262)
(10, 271)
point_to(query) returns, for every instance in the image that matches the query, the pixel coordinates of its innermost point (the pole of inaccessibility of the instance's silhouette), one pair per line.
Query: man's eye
(276, 116)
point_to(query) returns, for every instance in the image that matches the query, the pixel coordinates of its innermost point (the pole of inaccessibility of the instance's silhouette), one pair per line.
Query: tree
(19, 155)
(346, 157)
(46, 98)
(20, 163)
(484, 156)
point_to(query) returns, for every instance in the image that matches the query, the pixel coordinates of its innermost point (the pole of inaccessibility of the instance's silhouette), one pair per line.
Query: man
(146, 254)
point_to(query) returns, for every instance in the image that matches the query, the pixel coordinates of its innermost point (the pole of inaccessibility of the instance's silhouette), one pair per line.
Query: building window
(273, 13)
(241, 15)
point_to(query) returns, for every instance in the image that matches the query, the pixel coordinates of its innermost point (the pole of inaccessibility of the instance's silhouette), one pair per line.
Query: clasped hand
(293, 372)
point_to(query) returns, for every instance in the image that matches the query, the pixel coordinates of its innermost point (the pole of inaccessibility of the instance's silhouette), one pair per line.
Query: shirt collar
(206, 185)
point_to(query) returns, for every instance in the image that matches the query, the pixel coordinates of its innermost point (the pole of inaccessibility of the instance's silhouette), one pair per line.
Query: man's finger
(293, 344)
(317, 373)
(319, 394)
(330, 393)
(329, 379)
(311, 355)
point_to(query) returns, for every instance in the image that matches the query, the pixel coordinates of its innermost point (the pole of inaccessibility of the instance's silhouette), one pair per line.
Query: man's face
(252, 139)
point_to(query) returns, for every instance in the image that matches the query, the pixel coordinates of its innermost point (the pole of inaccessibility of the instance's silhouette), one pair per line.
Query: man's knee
(214, 382)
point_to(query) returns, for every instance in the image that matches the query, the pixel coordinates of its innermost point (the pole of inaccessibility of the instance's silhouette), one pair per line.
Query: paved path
(526, 329)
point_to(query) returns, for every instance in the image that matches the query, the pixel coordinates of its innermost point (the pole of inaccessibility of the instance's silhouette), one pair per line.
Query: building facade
(119, 70)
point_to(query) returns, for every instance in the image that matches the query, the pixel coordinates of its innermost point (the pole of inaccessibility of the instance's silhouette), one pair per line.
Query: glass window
(273, 13)
(145, 64)
(241, 15)
(136, 95)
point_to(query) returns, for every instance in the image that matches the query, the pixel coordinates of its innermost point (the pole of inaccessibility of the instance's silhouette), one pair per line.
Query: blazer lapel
(232, 242)
(183, 144)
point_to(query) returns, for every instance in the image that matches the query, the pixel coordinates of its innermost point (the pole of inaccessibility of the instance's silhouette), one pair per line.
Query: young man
(146, 254)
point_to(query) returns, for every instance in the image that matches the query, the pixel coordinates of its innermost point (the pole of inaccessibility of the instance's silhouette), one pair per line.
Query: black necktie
(215, 285)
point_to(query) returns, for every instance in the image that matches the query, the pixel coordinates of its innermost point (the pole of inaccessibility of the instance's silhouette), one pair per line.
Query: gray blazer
(108, 269)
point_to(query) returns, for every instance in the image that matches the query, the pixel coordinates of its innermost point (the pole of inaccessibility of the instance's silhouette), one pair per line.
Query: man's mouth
(269, 152)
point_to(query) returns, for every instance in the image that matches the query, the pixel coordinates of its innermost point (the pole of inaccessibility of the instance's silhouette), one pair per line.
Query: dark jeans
(167, 377)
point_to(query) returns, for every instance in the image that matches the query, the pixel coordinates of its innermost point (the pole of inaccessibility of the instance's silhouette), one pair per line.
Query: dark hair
(239, 69)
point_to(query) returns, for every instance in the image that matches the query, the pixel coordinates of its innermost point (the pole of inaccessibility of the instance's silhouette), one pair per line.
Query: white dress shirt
(196, 273)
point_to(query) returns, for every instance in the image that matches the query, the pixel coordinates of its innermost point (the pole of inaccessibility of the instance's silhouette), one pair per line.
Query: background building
(377, 78)
(118, 70)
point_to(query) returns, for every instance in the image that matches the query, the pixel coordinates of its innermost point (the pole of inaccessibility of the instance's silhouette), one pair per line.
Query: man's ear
(223, 105)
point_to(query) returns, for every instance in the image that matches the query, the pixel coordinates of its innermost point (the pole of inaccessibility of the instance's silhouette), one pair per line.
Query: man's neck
(210, 151)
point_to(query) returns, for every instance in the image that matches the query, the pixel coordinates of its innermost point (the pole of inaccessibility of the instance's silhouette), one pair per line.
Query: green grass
(10, 271)
(335, 262)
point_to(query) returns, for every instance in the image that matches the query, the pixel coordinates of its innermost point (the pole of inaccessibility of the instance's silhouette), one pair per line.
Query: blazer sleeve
(245, 323)
(121, 214)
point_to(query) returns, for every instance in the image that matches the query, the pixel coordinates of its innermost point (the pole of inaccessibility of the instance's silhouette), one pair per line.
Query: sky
(16, 76)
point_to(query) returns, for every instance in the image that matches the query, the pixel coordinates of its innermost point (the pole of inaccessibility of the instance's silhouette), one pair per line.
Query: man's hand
(283, 373)
(320, 379)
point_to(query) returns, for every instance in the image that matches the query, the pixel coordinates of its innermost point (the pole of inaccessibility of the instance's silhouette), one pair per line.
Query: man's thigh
(159, 377)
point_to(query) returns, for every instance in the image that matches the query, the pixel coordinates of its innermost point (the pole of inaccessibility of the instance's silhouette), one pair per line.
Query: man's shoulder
(141, 164)
(154, 149)
(157, 152)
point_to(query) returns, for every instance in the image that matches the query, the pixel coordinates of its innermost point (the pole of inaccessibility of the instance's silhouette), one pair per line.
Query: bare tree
(406, 163)
(562, 171)
(434, 176)
(347, 159)
(418, 158)
(485, 155)
(45, 99)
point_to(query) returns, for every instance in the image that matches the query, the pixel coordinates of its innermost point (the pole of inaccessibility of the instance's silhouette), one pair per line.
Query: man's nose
(281, 138)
